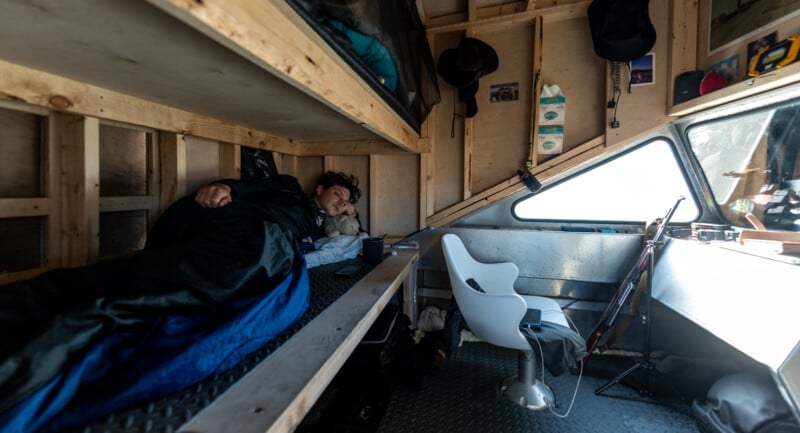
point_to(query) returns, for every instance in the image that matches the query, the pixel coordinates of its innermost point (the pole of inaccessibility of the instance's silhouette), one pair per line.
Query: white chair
(494, 316)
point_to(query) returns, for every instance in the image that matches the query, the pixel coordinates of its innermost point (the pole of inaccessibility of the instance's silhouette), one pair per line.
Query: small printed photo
(643, 70)
(504, 92)
(727, 68)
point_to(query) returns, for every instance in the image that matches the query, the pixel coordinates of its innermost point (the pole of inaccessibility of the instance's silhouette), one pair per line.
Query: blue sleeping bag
(174, 353)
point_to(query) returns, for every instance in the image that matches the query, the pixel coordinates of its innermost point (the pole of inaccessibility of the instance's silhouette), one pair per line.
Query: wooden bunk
(236, 72)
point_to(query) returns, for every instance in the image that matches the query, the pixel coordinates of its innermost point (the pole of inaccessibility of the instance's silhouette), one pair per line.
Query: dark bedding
(175, 352)
(361, 31)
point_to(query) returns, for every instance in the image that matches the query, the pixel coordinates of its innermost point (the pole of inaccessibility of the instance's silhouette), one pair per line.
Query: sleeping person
(208, 258)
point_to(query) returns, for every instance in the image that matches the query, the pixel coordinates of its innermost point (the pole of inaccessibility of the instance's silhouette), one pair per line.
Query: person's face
(333, 201)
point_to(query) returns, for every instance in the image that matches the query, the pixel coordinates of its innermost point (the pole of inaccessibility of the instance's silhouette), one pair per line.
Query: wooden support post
(469, 133)
(173, 168)
(80, 183)
(536, 90)
(230, 161)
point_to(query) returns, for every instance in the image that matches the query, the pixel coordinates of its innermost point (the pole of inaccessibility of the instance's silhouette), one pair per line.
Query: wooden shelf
(752, 86)
(252, 66)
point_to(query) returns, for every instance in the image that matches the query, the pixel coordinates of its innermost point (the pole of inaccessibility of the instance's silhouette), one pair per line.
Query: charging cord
(551, 404)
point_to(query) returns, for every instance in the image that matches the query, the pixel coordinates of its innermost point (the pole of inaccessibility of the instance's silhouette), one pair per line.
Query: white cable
(550, 404)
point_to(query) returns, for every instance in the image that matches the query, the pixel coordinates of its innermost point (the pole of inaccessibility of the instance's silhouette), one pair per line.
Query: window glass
(637, 186)
(750, 164)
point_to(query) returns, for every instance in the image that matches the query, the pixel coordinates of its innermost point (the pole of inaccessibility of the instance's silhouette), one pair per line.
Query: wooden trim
(683, 44)
(274, 37)
(353, 147)
(552, 13)
(24, 207)
(276, 394)
(230, 161)
(80, 186)
(374, 172)
(769, 81)
(51, 166)
(21, 275)
(536, 90)
(172, 148)
(22, 84)
(512, 185)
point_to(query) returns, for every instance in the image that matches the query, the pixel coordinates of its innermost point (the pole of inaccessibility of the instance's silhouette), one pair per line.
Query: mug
(372, 250)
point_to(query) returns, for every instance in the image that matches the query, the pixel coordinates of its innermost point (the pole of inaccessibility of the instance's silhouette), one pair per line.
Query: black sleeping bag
(195, 261)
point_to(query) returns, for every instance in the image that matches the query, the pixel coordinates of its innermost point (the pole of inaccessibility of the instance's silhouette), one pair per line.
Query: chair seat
(551, 311)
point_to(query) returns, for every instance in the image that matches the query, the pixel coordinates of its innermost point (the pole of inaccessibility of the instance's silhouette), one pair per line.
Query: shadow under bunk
(273, 387)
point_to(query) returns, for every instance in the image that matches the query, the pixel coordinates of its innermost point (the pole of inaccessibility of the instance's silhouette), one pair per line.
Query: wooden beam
(276, 394)
(80, 184)
(22, 84)
(551, 13)
(172, 148)
(683, 42)
(24, 207)
(354, 147)
(274, 37)
(544, 171)
(536, 90)
(230, 161)
(51, 164)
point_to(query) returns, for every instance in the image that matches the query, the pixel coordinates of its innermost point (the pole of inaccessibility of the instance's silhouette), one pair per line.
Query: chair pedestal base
(524, 389)
(536, 396)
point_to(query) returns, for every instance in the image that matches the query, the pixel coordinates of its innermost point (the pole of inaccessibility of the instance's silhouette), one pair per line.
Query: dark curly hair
(331, 178)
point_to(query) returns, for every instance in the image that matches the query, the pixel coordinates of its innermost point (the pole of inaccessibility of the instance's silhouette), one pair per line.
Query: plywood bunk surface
(272, 389)
(250, 65)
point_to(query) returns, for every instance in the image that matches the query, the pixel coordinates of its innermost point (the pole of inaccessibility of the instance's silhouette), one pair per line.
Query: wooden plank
(512, 185)
(536, 91)
(230, 161)
(278, 392)
(502, 129)
(394, 193)
(80, 179)
(191, 72)
(172, 148)
(24, 207)
(273, 36)
(374, 172)
(22, 84)
(551, 13)
(683, 44)
(153, 178)
(582, 79)
(449, 151)
(353, 147)
(51, 162)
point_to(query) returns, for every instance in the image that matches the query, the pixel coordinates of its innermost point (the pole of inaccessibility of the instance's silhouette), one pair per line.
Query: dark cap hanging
(462, 66)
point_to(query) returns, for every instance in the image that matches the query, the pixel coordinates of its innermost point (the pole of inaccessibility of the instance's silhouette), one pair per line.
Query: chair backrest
(493, 316)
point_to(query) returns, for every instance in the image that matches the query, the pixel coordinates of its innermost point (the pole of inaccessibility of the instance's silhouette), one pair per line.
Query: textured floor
(463, 397)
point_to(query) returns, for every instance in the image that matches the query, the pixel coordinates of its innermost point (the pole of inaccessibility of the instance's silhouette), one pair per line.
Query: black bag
(621, 29)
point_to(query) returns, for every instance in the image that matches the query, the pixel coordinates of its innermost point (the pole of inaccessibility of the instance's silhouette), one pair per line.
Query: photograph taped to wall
(734, 20)
(643, 70)
(727, 68)
(504, 92)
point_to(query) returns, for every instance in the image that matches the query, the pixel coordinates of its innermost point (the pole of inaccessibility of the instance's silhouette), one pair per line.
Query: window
(636, 186)
(750, 163)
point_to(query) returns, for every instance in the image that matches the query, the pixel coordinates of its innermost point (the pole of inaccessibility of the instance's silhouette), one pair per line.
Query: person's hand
(213, 195)
(349, 210)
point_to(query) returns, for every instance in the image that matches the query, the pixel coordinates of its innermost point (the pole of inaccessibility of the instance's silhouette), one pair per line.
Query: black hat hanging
(462, 66)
